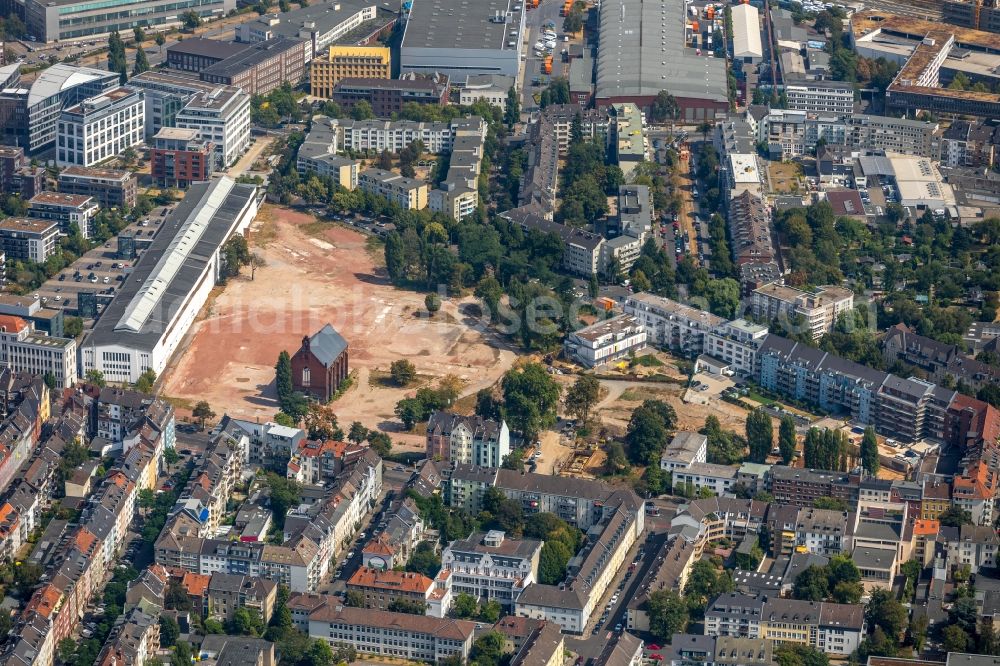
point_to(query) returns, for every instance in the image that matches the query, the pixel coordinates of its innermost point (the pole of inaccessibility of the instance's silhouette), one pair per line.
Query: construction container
(604, 303)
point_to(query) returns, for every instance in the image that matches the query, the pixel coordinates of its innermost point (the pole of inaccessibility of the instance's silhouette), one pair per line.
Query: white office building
(820, 96)
(221, 116)
(100, 127)
(25, 351)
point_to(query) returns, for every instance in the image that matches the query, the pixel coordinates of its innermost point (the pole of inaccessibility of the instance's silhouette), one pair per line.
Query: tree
(433, 303)
(362, 110)
(403, 372)
(146, 381)
(955, 639)
(284, 494)
(812, 584)
(73, 327)
(582, 396)
(668, 614)
(512, 112)
(357, 433)
(283, 377)
(798, 654)
(354, 598)
(140, 35)
(117, 61)
(320, 653)
(203, 412)
(95, 377)
(884, 611)
(424, 560)
(955, 516)
(464, 606)
(869, 452)
(141, 62)
(380, 442)
(256, 261)
(66, 649)
(648, 430)
(786, 439)
(760, 434)
(514, 460)
(160, 39)
(552, 563)
(395, 258)
(191, 19)
(490, 611)
(531, 396)
(169, 631)
(664, 107)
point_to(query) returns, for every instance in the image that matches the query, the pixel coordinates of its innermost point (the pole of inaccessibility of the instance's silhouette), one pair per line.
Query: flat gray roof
(139, 313)
(462, 24)
(642, 51)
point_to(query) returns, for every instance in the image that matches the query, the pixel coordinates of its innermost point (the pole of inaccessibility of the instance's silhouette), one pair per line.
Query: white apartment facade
(817, 310)
(489, 567)
(100, 127)
(669, 323)
(736, 342)
(221, 116)
(393, 135)
(606, 341)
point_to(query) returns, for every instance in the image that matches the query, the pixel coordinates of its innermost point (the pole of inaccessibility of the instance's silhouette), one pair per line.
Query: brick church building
(319, 367)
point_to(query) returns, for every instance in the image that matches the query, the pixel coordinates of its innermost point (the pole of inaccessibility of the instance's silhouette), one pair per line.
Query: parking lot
(98, 271)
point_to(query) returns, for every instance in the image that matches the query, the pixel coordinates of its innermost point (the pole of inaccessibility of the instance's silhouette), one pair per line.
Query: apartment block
(891, 134)
(347, 62)
(736, 343)
(814, 312)
(379, 135)
(221, 116)
(181, 157)
(583, 251)
(590, 574)
(111, 188)
(407, 193)
(458, 193)
(17, 176)
(226, 593)
(71, 211)
(318, 153)
(966, 144)
(100, 127)
(26, 238)
(671, 324)
(605, 341)
(467, 439)
(387, 96)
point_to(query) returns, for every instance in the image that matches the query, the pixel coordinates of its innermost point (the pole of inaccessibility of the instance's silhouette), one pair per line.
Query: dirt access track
(320, 273)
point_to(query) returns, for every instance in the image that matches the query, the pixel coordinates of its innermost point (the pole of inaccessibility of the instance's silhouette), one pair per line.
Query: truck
(710, 12)
(694, 11)
(547, 65)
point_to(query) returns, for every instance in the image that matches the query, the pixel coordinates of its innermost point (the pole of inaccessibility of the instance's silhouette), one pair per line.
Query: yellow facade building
(343, 62)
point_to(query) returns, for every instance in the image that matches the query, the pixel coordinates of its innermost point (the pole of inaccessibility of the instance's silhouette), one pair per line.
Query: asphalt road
(592, 645)
(547, 10)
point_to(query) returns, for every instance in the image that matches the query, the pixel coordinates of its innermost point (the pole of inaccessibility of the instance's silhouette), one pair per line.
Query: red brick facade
(311, 377)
